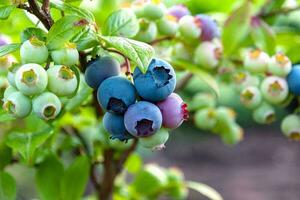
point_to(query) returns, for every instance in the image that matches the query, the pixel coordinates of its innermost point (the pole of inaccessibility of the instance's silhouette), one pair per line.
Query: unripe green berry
(251, 97)
(156, 141)
(206, 119)
(180, 51)
(11, 74)
(154, 10)
(34, 51)
(244, 79)
(8, 91)
(264, 114)
(208, 55)
(290, 126)
(148, 31)
(66, 56)
(274, 89)
(189, 28)
(17, 104)
(6, 62)
(31, 79)
(202, 100)
(234, 135)
(256, 61)
(280, 65)
(46, 106)
(61, 80)
(167, 26)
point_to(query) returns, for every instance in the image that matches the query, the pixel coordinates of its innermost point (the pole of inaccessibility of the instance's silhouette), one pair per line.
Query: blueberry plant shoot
(88, 85)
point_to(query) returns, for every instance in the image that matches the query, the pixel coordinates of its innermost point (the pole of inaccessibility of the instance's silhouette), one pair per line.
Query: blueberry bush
(85, 83)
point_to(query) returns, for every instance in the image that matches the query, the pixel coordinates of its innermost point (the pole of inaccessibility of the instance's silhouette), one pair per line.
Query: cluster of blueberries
(141, 109)
(33, 87)
(267, 82)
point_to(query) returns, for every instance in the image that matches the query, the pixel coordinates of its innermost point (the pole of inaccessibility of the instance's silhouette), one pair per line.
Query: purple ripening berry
(4, 40)
(174, 111)
(178, 11)
(209, 27)
(143, 119)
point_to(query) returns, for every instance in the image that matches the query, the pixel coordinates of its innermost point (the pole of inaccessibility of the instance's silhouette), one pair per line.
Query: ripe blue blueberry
(178, 11)
(34, 51)
(61, 80)
(293, 80)
(17, 104)
(209, 27)
(66, 56)
(100, 69)
(143, 119)
(157, 83)
(46, 106)
(31, 79)
(115, 94)
(114, 125)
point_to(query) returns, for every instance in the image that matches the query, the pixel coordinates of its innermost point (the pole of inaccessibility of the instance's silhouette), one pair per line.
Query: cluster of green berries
(220, 120)
(33, 88)
(267, 82)
(139, 109)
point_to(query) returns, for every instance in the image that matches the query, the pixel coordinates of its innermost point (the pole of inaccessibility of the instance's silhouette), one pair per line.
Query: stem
(281, 11)
(40, 14)
(126, 64)
(161, 40)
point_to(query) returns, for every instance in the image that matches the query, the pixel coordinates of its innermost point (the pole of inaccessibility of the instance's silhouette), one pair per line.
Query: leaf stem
(281, 11)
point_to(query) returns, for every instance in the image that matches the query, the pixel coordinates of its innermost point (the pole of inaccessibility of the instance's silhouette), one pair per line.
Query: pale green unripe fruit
(264, 114)
(156, 141)
(244, 79)
(208, 55)
(233, 135)
(251, 97)
(6, 62)
(274, 89)
(154, 10)
(180, 51)
(202, 100)
(167, 26)
(280, 65)
(206, 119)
(46, 106)
(34, 51)
(17, 104)
(290, 126)
(8, 91)
(62, 80)
(31, 79)
(189, 28)
(66, 56)
(256, 61)
(147, 33)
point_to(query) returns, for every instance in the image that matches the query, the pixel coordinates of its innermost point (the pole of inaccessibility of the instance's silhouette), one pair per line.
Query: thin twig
(127, 62)
(126, 154)
(183, 81)
(161, 40)
(281, 11)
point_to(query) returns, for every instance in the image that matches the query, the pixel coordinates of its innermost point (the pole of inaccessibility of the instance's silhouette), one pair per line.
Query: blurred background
(264, 166)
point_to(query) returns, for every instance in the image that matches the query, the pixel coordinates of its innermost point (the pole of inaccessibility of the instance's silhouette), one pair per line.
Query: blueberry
(189, 27)
(4, 40)
(274, 89)
(114, 124)
(31, 79)
(293, 80)
(290, 126)
(208, 55)
(8, 91)
(264, 114)
(6, 62)
(154, 10)
(17, 104)
(174, 111)
(251, 97)
(206, 119)
(60, 75)
(100, 69)
(157, 83)
(34, 51)
(167, 25)
(279, 65)
(66, 56)
(156, 141)
(115, 94)
(178, 11)
(209, 27)
(143, 119)
(256, 61)
(46, 106)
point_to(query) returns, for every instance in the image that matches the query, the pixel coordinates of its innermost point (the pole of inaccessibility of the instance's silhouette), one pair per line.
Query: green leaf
(5, 11)
(63, 30)
(30, 32)
(134, 163)
(9, 48)
(75, 179)
(86, 39)
(27, 143)
(73, 10)
(205, 190)
(138, 52)
(203, 75)
(48, 177)
(236, 28)
(4, 117)
(5, 155)
(8, 188)
(121, 23)
(263, 36)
